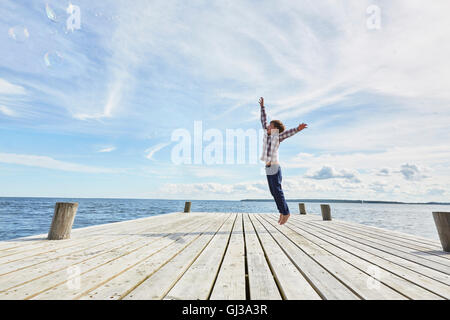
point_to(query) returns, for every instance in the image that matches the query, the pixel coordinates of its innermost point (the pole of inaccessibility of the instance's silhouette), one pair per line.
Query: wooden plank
(405, 287)
(430, 246)
(423, 270)
(204, 270)
(34, 259)
(79, 238)
(291, 282)
(402, 240)
(393, 251)
(421, 252)
(434, 244)
(103, 273)
(341, 269)
(45, 247)
(160, 282)
(412, 284)
(55, 285)
(262, 285)
(34, 271)
(155, 260)
(325, 284)
(30, 242)
(230, 282)
(125, 282)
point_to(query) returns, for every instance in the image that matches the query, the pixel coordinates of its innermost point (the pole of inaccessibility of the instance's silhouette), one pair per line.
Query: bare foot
(283, 218)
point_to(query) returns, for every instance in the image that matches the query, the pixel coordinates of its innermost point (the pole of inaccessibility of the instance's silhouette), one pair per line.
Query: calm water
(20, 217)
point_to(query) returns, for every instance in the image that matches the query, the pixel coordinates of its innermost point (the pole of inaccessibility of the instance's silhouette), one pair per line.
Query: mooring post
(326, 212)
(302, 209)
(62, 221)
(442, 222)
(187, 206)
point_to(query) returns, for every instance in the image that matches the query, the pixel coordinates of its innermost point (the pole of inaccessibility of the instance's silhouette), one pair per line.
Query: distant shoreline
(244, 200)
(350, 201)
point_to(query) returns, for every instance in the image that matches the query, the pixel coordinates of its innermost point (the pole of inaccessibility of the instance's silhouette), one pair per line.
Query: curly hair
(279, 125)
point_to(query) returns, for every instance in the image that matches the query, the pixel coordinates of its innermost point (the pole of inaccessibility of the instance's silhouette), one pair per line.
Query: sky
(97, 98)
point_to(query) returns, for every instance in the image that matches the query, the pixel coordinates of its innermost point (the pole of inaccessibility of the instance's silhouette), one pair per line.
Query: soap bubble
(18, 33)
(53, 59)
(50, 13)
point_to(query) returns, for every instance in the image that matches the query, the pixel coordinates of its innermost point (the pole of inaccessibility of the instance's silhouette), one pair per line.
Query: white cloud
(377, 130)
(50, 163)
(377, 98)
(294, 187)
(384, 175)
(335, 55)
(437, 192)
(371, 187)
(107, 149)
(383, 172)
(304, 57)
(152, 150)
(8, 88)
(378, 187)
(412, 172)
(185, 172)
(327, 172)
(436, 157)
(7, 111)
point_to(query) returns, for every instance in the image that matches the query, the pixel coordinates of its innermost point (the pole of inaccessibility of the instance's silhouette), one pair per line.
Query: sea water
(20, 217)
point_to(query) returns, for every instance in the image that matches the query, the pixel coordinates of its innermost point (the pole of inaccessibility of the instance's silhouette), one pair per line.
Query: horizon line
(256, 199)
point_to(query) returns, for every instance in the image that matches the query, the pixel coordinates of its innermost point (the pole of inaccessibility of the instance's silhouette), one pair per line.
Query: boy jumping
(274, 134)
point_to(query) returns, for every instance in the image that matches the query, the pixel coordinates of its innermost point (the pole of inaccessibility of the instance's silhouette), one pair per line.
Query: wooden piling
(326, 212)
(442, 222)
(62, 221)
(302, 209)
(187, 206)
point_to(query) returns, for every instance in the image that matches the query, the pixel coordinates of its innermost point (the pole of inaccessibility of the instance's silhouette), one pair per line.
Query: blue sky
(91, 112)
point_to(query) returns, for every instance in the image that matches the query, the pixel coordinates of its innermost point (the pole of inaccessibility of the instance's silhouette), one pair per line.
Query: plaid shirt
(272, 141)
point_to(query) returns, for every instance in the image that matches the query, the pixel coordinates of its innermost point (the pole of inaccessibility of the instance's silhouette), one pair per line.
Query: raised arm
(289, 133)
(263, 113)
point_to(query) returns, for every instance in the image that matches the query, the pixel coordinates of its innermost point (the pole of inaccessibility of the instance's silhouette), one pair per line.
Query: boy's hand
(302, 126)
(261, 102)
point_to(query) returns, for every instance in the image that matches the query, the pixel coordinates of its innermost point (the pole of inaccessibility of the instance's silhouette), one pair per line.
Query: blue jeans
(274, 180)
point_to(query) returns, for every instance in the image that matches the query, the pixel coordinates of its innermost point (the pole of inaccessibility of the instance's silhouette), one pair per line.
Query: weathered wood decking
(225, 256)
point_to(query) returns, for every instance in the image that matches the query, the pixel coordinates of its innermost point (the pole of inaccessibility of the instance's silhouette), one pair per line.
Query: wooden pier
(201, 255)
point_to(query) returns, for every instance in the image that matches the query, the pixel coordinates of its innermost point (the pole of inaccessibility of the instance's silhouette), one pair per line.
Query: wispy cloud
(9, 88)
(152, 150)
(309, 58)
(313, 60)
(107, 149)
(7, 111)
(50, 163)
(374, 100)
(212, 190)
